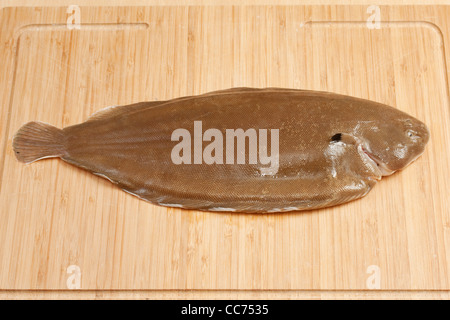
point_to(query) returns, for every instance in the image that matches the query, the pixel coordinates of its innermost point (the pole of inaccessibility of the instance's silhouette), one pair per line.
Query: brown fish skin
(332, 148)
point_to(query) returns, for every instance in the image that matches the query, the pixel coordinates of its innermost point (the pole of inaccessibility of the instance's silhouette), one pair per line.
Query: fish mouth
(384, 170)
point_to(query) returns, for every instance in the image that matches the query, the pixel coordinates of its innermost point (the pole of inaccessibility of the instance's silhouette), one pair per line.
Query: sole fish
(237, 150)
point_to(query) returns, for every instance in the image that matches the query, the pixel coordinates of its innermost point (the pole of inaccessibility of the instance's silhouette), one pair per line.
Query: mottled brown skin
(131, 146)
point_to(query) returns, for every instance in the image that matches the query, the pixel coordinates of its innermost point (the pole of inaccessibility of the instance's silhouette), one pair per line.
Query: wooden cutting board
(63, 228)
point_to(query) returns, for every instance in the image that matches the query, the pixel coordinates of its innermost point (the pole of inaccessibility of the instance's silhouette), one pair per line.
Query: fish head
(395, 142)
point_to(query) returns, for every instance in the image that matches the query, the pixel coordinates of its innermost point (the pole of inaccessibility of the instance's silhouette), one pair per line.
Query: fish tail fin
(37, 140)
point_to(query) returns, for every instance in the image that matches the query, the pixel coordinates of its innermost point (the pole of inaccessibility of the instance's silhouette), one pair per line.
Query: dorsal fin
(249, 89)
(232, 90)
(114, 111)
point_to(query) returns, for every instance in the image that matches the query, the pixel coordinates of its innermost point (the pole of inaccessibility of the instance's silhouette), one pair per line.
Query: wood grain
(57, 3)
(53, 215)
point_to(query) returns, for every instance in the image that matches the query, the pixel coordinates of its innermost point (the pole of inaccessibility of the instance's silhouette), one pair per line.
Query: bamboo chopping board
(61, 227)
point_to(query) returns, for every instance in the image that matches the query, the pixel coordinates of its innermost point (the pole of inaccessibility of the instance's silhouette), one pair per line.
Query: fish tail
(37, 140)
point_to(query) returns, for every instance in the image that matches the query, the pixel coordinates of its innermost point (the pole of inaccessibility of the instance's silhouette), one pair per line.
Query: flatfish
(237, 150)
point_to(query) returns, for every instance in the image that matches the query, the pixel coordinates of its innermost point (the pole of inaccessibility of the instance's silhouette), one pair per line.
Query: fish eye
(337, 137)
(411, 133)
